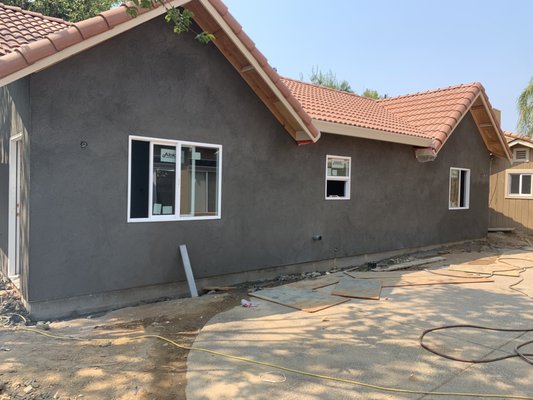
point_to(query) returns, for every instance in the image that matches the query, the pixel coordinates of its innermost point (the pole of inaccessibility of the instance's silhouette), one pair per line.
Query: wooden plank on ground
(315, 283)
(484, 261)
(409, 264)
(301, 299)
(493, 269)
(500, 229)
(517, 262)
(420, 278)
(358, 288)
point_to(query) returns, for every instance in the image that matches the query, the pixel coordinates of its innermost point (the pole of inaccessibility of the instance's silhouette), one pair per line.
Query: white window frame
(521, 172)
(178, 144)
(467, 189)
(346, 179)
(516, 160)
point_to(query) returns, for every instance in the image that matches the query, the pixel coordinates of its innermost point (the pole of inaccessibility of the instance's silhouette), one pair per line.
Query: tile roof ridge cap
(35, 14)
(327, 88)
(441, 89)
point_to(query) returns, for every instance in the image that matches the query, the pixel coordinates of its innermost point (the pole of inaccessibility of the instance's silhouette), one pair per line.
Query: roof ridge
(327, 88)
(35, 14)
(441, 89)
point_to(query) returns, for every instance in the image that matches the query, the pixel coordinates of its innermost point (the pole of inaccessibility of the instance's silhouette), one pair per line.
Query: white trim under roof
(253, 62)
(88, 43)
(373, 134)
(514, 142)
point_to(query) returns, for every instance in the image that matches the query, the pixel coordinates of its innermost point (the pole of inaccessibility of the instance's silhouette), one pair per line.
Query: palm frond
(525, 110)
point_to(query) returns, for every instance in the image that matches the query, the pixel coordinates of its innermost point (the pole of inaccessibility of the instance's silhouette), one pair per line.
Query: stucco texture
(150, 82)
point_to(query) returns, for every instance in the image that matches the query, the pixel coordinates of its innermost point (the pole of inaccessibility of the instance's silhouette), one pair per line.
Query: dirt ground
(104, 357)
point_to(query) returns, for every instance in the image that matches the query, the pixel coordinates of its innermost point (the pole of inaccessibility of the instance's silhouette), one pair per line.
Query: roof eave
(372, 134)
(306, 130)
(50, 59)
(521, 142)
(499, 131)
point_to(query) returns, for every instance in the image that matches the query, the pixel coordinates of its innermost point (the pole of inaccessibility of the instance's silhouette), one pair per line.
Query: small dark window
(459, 188)
(336, 189)
(338, 177)
(462, 196)
(140, 174)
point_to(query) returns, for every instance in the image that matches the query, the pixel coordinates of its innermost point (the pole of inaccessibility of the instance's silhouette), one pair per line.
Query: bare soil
(107, 360)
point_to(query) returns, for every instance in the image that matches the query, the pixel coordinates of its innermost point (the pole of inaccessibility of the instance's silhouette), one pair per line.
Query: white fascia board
(372, 134)
(88, 43)
(253, 62)
(514, 142)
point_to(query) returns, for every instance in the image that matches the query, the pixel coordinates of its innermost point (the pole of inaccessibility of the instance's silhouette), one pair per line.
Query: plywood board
(358, 288)
(517, 262)
(482, 269)
(315, 283)
(301, 299)
(484, 261)
(420, 278)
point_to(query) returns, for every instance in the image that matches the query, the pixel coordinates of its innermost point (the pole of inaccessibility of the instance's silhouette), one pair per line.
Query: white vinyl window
(520, 155)
(459, 188)
(171, 180)
(518, 184)
(338, 169)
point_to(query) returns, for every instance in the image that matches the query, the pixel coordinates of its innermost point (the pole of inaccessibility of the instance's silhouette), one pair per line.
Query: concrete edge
(106, 301)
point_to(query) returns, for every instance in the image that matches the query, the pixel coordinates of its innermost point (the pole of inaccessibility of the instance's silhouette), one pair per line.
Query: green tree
(372, 94)
(180, 18)
(328, 79)
(525, 110)
(69, 10)
(78, 10)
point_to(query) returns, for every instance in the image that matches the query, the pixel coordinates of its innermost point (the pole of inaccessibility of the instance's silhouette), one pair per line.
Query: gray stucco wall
(14, 119)
(272, 192)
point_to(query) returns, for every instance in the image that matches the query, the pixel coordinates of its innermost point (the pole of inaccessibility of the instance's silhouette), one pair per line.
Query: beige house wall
(507, 211)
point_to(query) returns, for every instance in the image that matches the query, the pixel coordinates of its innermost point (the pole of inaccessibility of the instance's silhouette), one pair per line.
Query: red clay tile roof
(510, 136)
(432, 114)
(46, 36)
(28, 37)
(19, 27)
(331, 105)
(435, 112)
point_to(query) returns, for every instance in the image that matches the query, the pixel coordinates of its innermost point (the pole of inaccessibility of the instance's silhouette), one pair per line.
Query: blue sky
(399, 46)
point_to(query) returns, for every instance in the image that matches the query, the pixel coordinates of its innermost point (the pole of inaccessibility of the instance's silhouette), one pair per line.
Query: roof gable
(424, 119)
(514, 138)
(49, 48)
(33, 42)
(438, 112)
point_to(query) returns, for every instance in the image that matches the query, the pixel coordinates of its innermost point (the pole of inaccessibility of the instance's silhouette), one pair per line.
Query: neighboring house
(120, 140)
(511, 193)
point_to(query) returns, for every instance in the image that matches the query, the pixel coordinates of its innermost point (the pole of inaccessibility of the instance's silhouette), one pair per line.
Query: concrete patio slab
(376, 342)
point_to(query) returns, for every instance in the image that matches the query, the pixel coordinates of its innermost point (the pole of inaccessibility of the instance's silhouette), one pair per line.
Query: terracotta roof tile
(28, 37)
(435, 112)
(20, 27)
(330, 105)
(512, 136)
